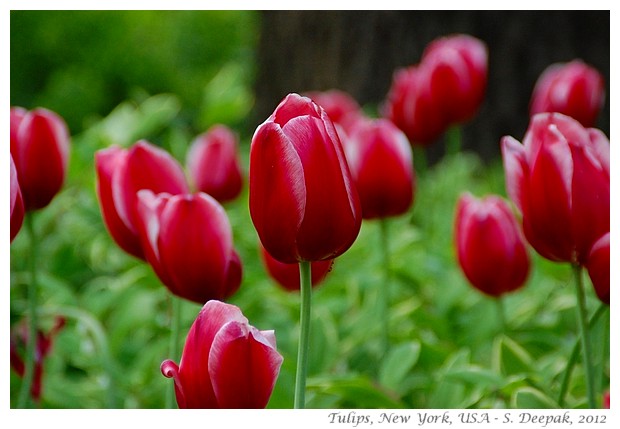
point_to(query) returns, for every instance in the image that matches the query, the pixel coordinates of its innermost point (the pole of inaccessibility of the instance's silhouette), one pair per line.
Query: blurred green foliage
(82, 64)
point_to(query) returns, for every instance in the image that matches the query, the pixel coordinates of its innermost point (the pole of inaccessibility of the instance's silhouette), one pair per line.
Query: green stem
(585, 335)
(501, 313)
(420, 161)
(572, 360)
(31, 345)
(384, 294)
(305, 276)
(453, 140)
(175, 322)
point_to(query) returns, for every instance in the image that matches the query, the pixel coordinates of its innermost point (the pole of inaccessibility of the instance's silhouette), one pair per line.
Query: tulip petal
(516, 170)
(277, 191)
(169, 369)
(332, 216)
(599, 267)
(195, 246)
(107, 162)
(194, 366)
(243, 366)
(17, 204)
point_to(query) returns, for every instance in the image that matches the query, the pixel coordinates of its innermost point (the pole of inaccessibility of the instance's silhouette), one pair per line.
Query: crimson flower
(411, 107)
(340, 106)
(226, 362)
(598, 266)
(40, 150)
(121, 173)
(19, 339)
(574, 89)
(303, 203)
(457, 68)
(287, 275)
(187, 239)
(213, 165)
(381, 163)
(559, 180)
(490, 248)
(17, 204)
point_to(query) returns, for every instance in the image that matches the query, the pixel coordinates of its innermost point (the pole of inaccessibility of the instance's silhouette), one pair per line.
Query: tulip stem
(305, 276)
(31, 344)
(453, 140)
(420, 161)
(585, 335)
(501, 313)
(175, 322)
(384, 293)
(572, 360)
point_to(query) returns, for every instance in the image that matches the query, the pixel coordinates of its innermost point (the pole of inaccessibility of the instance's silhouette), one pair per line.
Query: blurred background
(166, 76)
(235, 66)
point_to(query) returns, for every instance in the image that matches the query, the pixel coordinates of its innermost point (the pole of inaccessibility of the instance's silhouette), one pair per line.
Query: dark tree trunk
(358, 51)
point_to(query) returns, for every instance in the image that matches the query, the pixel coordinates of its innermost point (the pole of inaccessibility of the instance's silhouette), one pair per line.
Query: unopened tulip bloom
(213, 165)
(287, 275)
(187, 239)
(121, 173)
(598, 266)
(490, 248)
(559, 180)
(19, 337)
(574, 89)
(411, 107)
(381, 163)
(340, 106)
(457, 68)
(226, 362)
(40, 150)
(303, 202)
(17, 204)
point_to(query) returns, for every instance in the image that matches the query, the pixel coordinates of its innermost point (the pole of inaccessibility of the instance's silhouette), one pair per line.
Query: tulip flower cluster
(446, 88)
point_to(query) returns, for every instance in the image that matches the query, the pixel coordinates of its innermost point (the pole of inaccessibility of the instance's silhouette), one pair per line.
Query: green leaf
(399, 361)
(510, 358)
(353, 391)
(476, 376)
(528, 397)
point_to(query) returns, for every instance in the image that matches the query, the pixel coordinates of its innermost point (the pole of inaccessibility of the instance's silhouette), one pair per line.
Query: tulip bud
(341, 107)
(121, 173)
(17, 205)
(574, 89)
(226, 362)
(411, 107)
(213, 165)
(559, 180)
(381, 163)
(19, 338)
(490, 248)
(187, 239)
(598, 266)
(303, 203)
(40, 150)
(287, 275)
(457, 66)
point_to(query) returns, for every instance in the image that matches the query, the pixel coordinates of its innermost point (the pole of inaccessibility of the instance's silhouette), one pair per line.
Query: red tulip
(598, 266)
(213, 165)
(457, 66)
(381, 163)
(40, 150)
(303, 203)
(574, 89)
(19, 338)
(17, 204)
(187, 239)
(341, 107)
(411, 107)
(490, 248)
(287, 275)
(226, 362)
(121, 173)
(559, 180)
(606, 399)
